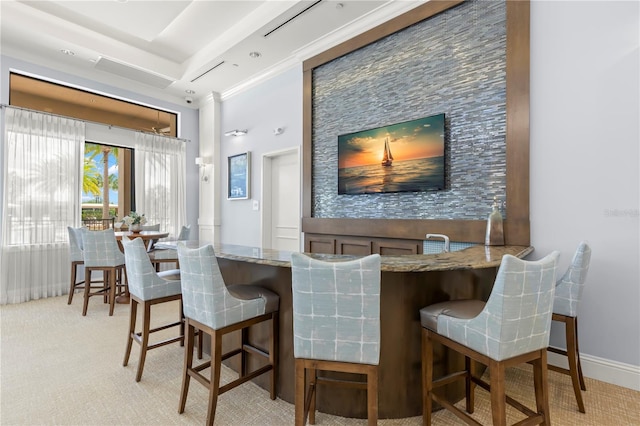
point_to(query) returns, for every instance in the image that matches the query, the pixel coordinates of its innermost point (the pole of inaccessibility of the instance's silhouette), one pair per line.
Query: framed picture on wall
(238, 167)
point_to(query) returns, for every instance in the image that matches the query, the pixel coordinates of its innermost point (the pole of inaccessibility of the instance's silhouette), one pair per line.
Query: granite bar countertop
(476, 257)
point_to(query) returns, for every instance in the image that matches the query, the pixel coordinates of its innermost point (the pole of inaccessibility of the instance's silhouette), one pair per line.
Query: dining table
(147, 238)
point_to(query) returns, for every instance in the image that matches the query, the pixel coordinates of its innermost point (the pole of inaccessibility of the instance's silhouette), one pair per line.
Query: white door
(281, 201)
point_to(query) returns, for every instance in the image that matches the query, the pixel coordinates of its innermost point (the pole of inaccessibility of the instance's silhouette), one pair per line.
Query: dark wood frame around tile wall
(517, 225)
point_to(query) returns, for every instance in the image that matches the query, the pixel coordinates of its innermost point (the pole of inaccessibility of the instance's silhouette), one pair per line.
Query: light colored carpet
(59, 368)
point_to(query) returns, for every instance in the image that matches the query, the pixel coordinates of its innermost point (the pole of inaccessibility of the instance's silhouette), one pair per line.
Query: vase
(135, 228)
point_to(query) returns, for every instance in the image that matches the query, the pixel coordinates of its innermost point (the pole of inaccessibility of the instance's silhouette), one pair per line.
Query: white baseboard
(605, 370)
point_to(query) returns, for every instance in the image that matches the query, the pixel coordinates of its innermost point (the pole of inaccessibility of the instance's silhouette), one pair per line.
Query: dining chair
(163, 254)
(185, 232)
(218, 310)
(77, 259)
(336, 327)
(148, 288)
(511, 328)
(565, 309)
(102, 253)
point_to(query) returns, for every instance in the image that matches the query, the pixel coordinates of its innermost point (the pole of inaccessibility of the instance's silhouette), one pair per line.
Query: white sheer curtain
(42, 180)
(160, 181)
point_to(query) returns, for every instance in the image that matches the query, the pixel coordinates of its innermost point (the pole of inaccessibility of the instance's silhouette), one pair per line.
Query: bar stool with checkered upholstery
(511, 328)
(160, 253)
(565, 309)
(76, 254)
(102, 253)
(336, 327)
(148, 288)
(217, 309)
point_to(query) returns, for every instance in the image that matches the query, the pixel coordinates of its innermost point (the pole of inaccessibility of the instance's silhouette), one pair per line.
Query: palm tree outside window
(105, 182)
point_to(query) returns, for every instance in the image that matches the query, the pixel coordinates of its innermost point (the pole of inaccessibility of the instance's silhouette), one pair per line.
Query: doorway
(281, 200)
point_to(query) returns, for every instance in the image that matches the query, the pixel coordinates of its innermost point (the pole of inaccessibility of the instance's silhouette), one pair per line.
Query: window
(107, 191)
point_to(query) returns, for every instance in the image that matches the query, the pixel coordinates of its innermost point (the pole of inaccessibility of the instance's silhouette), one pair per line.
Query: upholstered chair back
(76, 250)
(205, 297)
(569, 287)
(144, 282)
(185, 231)
(101, 249)
(336, 309)
(517, 317)
(155, 227)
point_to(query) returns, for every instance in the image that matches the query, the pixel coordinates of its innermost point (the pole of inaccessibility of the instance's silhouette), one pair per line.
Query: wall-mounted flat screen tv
(402, 157)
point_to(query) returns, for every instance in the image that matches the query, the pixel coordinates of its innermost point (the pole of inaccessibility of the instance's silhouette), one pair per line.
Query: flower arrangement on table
(135, 221)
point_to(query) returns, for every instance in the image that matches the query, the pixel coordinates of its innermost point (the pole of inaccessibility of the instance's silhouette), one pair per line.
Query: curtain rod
(92, 122)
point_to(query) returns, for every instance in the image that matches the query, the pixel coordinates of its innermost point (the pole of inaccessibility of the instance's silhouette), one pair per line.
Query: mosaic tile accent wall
(454, 63)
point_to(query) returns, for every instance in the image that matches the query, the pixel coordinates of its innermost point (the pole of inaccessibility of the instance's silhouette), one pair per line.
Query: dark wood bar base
(403, 295)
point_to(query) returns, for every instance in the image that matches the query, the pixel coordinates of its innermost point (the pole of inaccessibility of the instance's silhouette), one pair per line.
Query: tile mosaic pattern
(569, 287)
(101, 249)
(336, 309)
(143, 281)
(453, 63)
(517, 317)
(435, 247)
(204, 294)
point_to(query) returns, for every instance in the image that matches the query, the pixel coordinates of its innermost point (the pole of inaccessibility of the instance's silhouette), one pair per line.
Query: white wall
(276, 103)
(187, 117)
(584, 164)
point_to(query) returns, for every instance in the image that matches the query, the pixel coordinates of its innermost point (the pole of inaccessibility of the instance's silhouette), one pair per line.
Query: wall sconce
(278, 131)
(236, 132)
(202, 163)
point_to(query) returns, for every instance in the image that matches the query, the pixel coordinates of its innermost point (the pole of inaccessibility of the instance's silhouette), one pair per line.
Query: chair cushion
(248, 292)
(159, 253)
(463, 309)
(171, 275)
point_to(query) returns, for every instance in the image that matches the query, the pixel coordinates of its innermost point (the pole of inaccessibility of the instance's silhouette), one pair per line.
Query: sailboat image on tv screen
(387, 158)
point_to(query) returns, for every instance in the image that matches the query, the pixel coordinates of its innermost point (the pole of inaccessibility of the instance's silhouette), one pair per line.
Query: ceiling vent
(133, 73)
(207, 71)
(268, 33)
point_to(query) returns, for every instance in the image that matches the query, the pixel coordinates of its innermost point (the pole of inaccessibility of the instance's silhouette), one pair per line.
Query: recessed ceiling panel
(132, 73)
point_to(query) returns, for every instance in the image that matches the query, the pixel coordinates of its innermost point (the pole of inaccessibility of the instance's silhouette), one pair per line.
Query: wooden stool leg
(469, 385)
(188, 364)
(111, 276)
(105, 287)
(87, 289)
(541, 386)
(243, 354)
(573, 363)
(427, 377)
(372, 396)
(182, 321)
(74, 269)
(214, 382)
(144, 344)
(132, 331)
(498, 395)
(313, 391)
(582, 385)
(300, 391)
